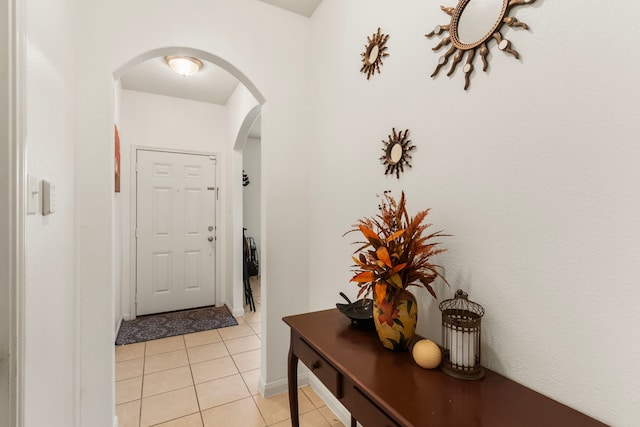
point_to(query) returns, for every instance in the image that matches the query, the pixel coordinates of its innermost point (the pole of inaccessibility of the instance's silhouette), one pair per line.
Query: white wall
(50, 367)
(242, 108)
(158, 121)
(268, 45)
(117, 221)
(533, 171)
(5, 218)
(251, 193)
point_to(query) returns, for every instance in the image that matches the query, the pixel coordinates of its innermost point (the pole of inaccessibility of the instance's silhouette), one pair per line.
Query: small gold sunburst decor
(473, 25)
(374, 52)
(396, 152)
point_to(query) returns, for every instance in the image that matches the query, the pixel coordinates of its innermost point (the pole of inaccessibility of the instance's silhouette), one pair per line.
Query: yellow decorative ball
(427, 354)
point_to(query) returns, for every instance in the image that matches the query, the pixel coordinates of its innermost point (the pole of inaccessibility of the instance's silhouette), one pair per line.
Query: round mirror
(478, 19)
(373, 52)
(394, 153)
(473, 24)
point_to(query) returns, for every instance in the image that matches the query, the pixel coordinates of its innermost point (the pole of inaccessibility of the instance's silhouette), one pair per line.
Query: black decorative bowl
(360, 311)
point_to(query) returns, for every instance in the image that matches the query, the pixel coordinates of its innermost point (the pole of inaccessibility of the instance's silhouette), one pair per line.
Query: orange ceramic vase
(395, 316)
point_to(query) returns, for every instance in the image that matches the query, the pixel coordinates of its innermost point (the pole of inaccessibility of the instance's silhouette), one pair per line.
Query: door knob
(210, 238)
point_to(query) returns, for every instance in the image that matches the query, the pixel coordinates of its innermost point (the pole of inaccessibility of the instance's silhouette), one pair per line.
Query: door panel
(175, 208)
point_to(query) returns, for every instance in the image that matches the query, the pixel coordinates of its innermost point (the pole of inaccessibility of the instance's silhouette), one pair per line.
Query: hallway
(206, 379)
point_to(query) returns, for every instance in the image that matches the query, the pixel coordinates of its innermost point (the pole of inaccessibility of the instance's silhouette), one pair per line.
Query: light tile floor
(206, 379)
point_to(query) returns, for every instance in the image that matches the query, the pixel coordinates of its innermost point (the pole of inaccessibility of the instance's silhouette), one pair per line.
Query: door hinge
(136, 233)
(136, 166)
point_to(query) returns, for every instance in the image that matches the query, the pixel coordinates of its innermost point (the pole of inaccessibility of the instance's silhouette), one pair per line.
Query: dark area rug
(154, 326)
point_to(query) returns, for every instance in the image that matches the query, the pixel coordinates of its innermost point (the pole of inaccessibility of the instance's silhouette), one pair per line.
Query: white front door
(175, 228)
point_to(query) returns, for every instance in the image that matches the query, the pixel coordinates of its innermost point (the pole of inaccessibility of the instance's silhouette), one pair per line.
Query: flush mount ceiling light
(184, 65)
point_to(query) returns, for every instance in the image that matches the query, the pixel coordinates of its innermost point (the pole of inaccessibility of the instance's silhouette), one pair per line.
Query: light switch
(48, 198)
(33, 193)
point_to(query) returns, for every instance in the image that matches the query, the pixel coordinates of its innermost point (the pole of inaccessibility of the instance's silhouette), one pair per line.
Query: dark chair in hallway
(248, 267)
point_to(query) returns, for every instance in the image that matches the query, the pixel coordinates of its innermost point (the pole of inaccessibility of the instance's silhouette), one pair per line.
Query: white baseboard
(277, 387)
(332, 402)
(304, 378)
(118, 327)
(115, 421)
(236, 312)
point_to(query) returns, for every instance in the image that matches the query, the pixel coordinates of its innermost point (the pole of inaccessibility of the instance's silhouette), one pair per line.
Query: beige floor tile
(128, 390)
(241, 320)
(168, 406)
(235, 332)
(207, 352)
(276, 409)
(164, 381)
(247, 361)
(128, 414)
(129, 351)
(202, 338)
(164, 345)
(310, 419)
(313, 396)
(256, 326)
(165, 361)
(219, 392)
(313, 419)
(213, 369)
(129, 369)
(251, 316)
(240, 345)
(193, 420)
(241, 413)
(251, 380)
(331, 418)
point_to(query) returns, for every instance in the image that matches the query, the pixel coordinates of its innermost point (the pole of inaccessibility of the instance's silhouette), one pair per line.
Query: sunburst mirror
(474, 23)
(374, 52)
(396, 152)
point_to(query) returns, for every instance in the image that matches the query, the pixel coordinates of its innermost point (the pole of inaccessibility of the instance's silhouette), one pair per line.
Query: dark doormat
(154, 326)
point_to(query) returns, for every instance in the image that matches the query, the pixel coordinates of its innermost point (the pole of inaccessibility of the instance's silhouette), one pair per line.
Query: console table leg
(293, 388)
(353, 422)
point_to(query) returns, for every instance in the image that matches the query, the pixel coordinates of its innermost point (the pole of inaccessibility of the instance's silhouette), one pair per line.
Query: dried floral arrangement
(396, 252)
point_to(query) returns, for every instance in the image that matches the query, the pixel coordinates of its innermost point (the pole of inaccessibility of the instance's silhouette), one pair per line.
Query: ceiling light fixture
(184, 65)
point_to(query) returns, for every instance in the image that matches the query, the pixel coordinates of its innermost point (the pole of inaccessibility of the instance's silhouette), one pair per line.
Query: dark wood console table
(385, 388)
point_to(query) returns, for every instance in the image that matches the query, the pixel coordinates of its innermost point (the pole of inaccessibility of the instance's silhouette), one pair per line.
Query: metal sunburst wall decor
(374, 52)
(396, 152)
(473, 25)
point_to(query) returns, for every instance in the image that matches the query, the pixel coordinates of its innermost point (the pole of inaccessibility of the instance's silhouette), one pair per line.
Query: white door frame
(133, 182)
(12, 214)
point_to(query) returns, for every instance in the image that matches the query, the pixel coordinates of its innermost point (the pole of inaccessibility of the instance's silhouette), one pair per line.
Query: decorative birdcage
(461, 337)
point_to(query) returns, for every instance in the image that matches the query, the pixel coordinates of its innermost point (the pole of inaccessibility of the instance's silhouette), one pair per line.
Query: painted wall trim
(17, 172)
(235, 311)
(118, 326)
(280, 386)
(332, 402)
